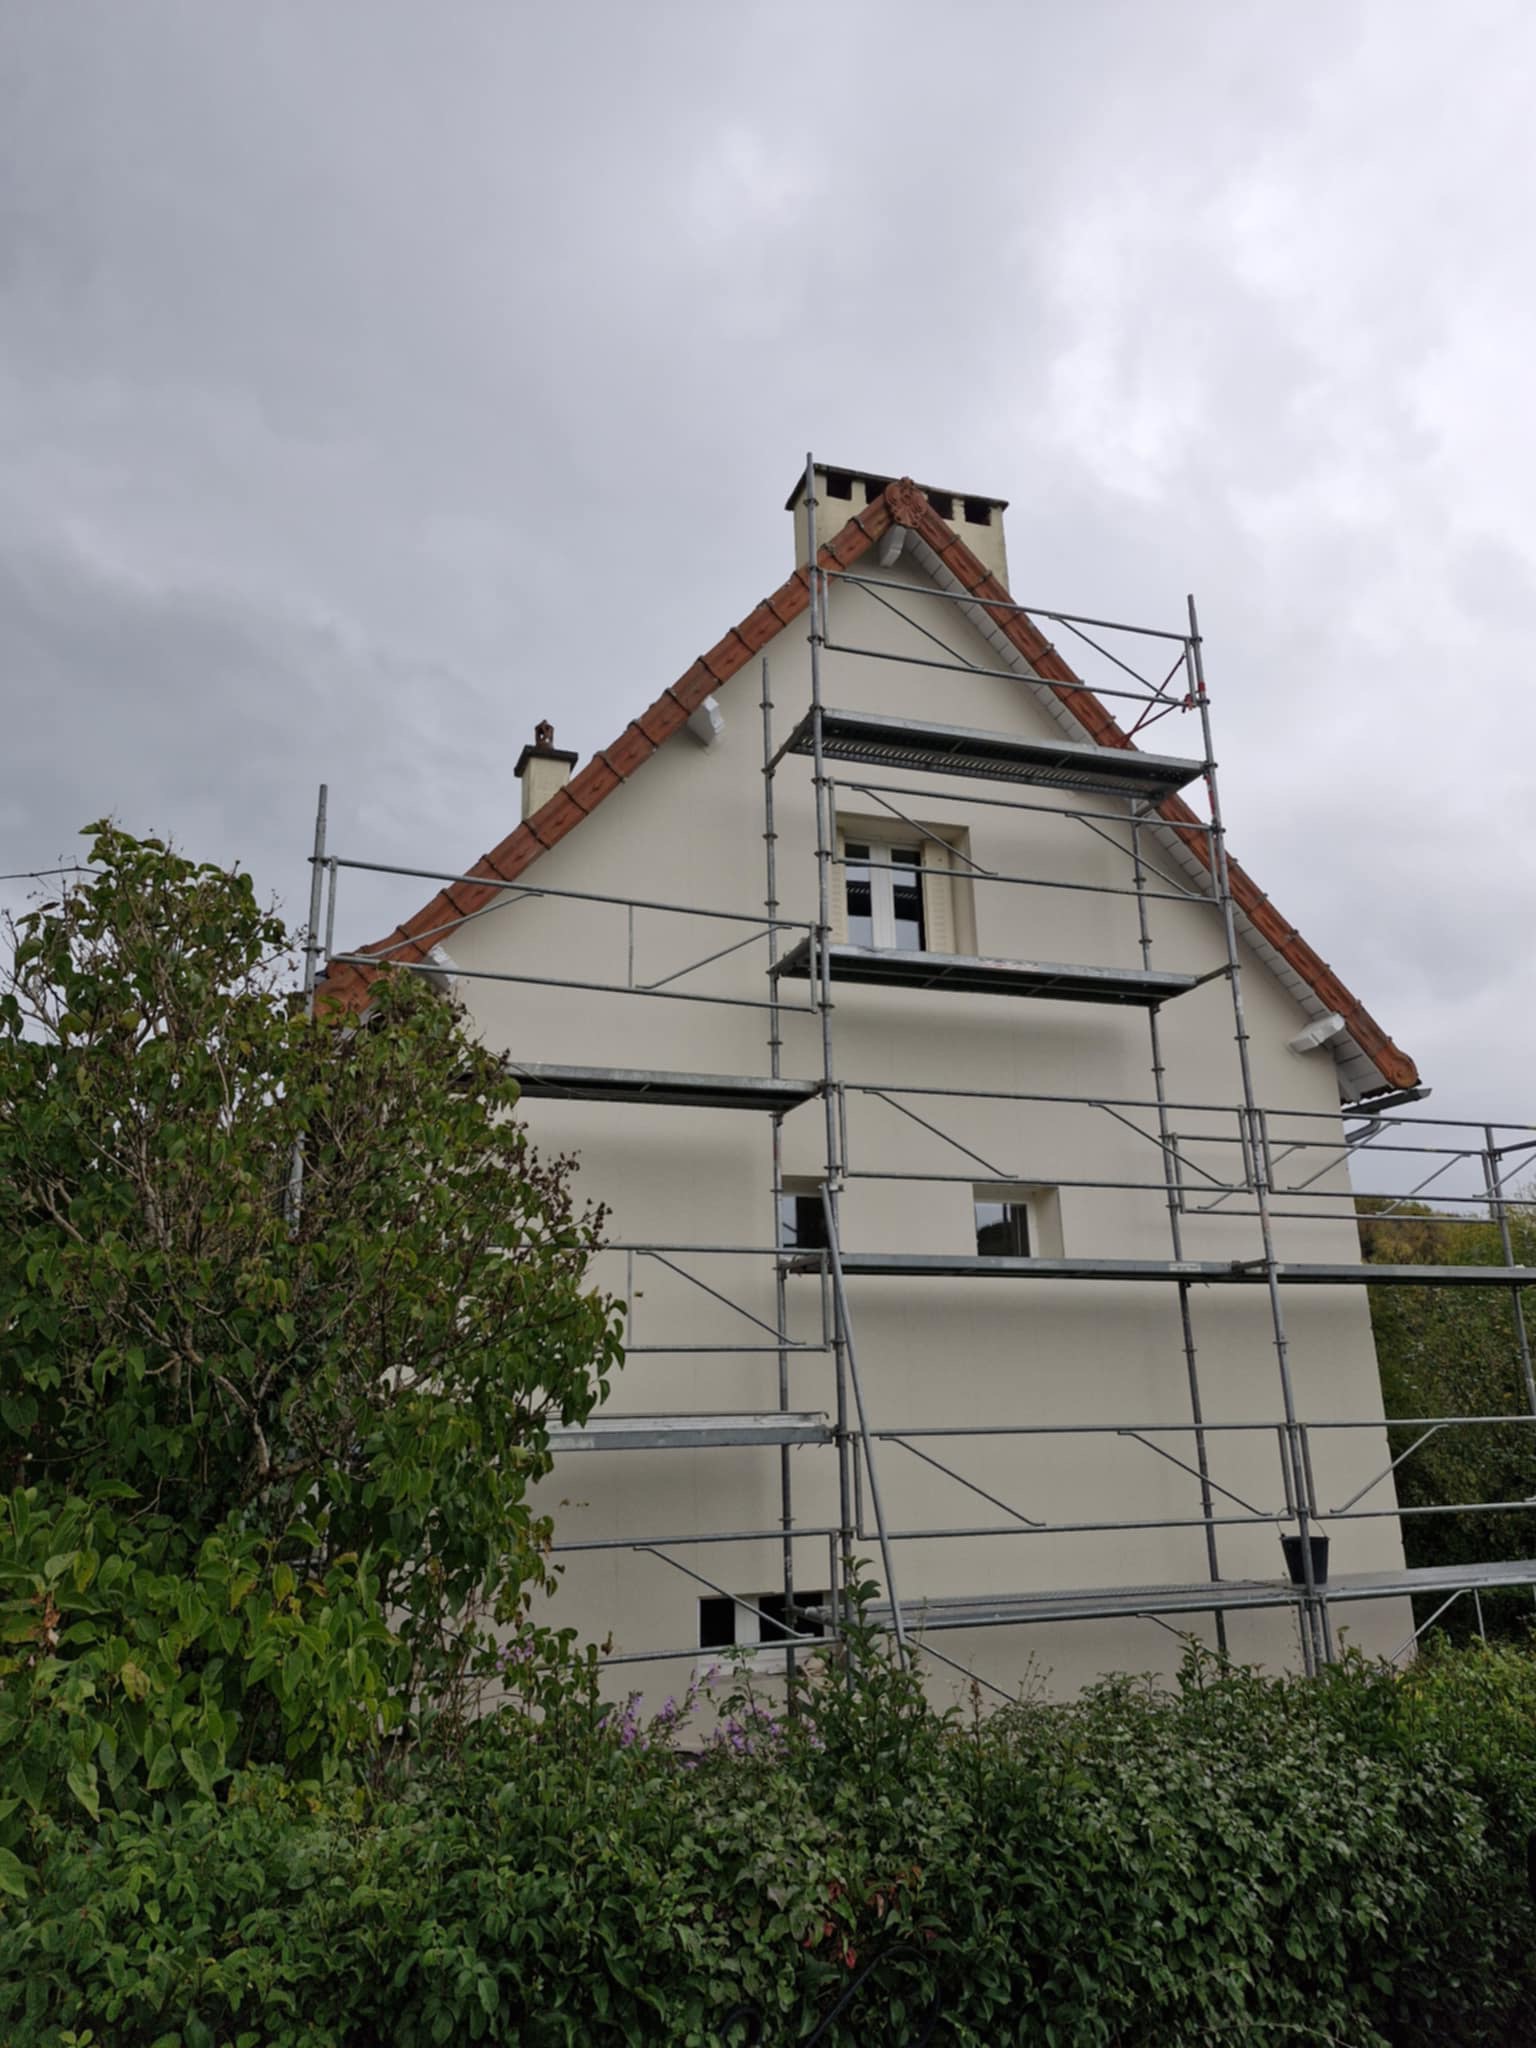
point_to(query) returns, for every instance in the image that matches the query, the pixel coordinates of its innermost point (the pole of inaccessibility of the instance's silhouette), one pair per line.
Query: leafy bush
(288, 1303)
(1339, 1860)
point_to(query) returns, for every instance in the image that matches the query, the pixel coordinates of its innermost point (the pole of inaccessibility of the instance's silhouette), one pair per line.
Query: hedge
(1235, 1858)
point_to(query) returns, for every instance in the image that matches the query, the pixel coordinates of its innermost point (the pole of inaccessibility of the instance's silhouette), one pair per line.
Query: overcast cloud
(376, 378)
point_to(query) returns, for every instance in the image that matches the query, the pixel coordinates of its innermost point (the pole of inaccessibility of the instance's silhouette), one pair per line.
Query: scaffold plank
(689, 1432)
(965, 974)
(879, 742)
(1104, 1603)
(645, 1085)
(1202, 1272)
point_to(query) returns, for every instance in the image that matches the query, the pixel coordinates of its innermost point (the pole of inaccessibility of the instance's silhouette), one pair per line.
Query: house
(975, 1138)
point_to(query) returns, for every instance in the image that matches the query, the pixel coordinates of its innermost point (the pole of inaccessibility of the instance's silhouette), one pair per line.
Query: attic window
(874, 486)
(943, 503)
(978, 512)
(839, 484)
(885, 896)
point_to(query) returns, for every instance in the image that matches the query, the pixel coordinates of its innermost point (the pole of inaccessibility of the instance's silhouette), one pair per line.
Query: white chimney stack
(841, 493)
(543, 769)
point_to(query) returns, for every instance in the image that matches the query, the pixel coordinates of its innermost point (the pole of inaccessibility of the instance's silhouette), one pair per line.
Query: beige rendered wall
(940, 1353)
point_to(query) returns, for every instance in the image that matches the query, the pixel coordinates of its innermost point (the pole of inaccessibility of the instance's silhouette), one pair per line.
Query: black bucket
(1291, 1545)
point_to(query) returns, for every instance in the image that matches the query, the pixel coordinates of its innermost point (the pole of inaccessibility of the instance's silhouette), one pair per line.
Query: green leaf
(196, 1768)
(81, 1779)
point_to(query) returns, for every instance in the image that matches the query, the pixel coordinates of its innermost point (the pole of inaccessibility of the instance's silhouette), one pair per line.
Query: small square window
(802, 1221)
(978, 512)
(839, 484)
(1002, 1229)
(943, 503)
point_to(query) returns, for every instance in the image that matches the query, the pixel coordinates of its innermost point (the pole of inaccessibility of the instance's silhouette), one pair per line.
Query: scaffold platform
(874, 741)
(966, 974)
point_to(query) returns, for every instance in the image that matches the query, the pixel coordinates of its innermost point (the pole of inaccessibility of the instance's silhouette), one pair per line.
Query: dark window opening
(978, 512)
(717, 1623)
(1002, 1230)
(839, 484)
(874, 487)
(802, 1223)
(771, 1624)
(943, 503)
(724, 1624)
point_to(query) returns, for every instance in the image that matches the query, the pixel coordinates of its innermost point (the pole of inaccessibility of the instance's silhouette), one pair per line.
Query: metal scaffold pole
(1176, 1240)
(1315, 1647)
(826, 840)
(776, 1129)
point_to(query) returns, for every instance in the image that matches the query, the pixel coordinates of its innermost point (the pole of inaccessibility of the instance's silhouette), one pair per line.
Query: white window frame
(1041, 1206)
(882, 867)
(944, 868)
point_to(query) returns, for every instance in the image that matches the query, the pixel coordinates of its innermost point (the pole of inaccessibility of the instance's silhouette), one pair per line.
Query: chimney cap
(543, 748)
(875, 481)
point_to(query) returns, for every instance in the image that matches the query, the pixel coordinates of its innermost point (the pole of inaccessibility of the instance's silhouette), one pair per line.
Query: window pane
(802, 1223)
(773, 1626)
(861, 908)
(907, 916)
(908, 933)
(1002, 1230)
(717, 1623)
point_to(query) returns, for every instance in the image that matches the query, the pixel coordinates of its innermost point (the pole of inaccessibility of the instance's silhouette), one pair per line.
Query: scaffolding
(1229, 1159)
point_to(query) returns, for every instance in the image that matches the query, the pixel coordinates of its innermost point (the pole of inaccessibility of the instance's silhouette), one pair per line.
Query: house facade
(882, 976)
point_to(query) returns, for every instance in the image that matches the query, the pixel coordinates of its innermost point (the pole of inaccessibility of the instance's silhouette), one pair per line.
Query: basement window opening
(726, 1624)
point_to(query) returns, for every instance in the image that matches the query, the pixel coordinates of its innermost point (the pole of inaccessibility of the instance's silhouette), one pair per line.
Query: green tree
(287, 1304)
(1454, 1351)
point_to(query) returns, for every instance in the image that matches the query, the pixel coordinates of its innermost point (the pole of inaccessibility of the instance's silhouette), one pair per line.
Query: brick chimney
(840, 493)
(542, 768)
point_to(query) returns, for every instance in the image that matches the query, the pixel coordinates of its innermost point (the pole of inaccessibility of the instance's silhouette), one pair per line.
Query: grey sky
(376, 378)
